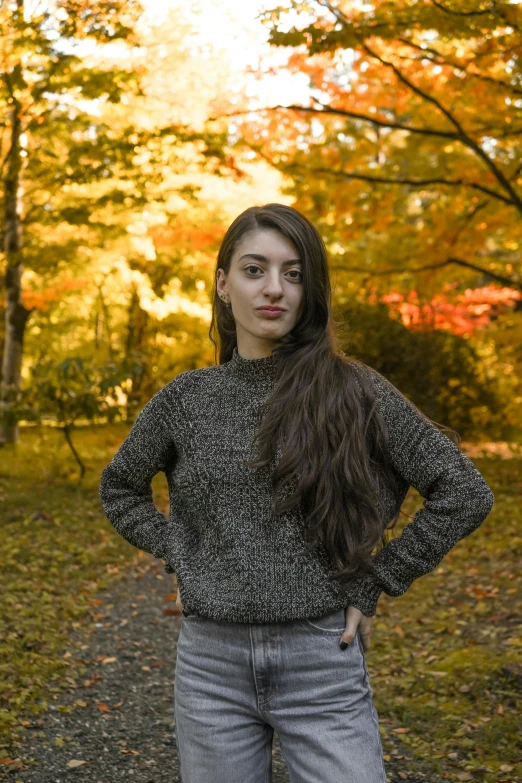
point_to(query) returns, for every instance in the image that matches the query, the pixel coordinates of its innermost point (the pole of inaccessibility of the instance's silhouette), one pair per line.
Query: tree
(415, 113)
(406, 151)
(48, 138)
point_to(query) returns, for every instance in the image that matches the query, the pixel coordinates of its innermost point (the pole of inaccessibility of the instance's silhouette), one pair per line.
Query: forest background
(132, 135)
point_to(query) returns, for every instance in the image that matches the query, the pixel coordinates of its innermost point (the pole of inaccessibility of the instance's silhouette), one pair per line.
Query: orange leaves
(462, 315)
(478, 592)
(174, 236)
(41, 299)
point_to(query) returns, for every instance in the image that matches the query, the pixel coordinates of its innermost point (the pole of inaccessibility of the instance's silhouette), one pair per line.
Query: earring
(226, 301)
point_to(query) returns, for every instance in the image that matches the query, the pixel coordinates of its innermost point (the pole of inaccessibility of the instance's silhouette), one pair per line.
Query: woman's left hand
(355, 618)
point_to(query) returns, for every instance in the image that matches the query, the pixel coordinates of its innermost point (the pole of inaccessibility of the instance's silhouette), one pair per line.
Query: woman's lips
(270, 313)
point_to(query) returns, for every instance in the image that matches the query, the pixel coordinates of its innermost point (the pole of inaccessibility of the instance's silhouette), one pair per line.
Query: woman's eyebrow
(260, 257)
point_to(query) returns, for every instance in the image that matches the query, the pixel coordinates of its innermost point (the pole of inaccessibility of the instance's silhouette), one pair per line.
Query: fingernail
(343, 645)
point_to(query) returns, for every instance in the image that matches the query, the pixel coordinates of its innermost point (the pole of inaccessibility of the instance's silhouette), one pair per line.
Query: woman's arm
(457, 499)
(125, 490)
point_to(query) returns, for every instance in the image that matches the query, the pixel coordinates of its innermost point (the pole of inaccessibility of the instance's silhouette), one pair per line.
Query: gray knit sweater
(233, 559)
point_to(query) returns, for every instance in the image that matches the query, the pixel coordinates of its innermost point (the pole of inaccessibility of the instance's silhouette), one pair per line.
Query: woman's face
(265, 270)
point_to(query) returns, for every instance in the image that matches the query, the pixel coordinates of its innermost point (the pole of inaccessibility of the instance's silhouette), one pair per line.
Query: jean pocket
(331, 624)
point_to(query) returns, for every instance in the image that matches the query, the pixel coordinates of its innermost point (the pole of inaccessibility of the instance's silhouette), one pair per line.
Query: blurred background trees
(131, 135)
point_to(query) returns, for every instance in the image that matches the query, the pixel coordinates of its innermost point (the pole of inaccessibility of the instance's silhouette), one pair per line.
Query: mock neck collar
(253, 369)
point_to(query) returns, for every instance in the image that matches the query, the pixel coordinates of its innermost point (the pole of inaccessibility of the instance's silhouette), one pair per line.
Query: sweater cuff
(364, 594)
(165, 548)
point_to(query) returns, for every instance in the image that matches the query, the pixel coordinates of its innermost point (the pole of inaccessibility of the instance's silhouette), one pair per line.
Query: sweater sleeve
(457, 499)
(125, 486)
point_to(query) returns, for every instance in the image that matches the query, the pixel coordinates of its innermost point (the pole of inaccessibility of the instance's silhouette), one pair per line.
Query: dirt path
(121, 727)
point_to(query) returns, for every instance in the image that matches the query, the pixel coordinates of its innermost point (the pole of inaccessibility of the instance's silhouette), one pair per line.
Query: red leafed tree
(406, 150)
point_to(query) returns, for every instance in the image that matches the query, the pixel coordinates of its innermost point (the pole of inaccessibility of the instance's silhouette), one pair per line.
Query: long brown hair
(322, 410)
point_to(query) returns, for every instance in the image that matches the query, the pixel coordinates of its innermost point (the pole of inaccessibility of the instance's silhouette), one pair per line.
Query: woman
(287, 463)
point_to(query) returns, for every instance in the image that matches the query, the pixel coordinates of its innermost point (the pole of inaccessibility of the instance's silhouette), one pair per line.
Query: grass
(446, 657)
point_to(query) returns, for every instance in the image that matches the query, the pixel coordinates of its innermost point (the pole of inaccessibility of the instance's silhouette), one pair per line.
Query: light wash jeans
(235, 683)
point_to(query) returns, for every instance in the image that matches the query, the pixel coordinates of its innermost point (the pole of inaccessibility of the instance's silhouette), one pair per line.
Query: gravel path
(121, 727)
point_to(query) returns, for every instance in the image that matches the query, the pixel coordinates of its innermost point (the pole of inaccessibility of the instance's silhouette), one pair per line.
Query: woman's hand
(179, 604)
(354, 618)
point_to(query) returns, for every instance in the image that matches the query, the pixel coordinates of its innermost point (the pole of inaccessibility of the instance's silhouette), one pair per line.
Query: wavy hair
(323, 410)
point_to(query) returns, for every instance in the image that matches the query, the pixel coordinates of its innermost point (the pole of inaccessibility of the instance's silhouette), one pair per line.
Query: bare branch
(443, 60)
(461, 13)
(342, 113)
(505, 134)
(413, 182)
(507, 281)
(461, 134)
(465, 222)
(497, 9)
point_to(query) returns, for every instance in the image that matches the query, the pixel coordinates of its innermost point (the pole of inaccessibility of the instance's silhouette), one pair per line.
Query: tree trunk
(136, 346)
(16, 314)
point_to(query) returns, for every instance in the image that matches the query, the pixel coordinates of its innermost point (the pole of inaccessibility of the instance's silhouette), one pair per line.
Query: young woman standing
(287, 464)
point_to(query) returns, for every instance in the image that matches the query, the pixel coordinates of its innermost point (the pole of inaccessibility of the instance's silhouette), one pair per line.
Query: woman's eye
(297, 274)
